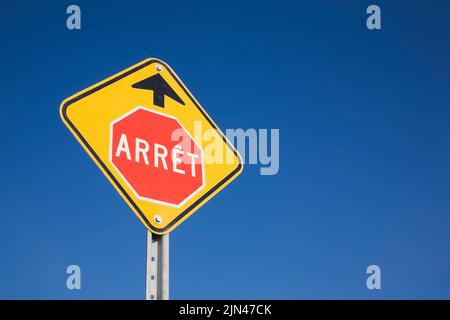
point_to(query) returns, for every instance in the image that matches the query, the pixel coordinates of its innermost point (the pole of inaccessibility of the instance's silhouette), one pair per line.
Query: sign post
(157, 275)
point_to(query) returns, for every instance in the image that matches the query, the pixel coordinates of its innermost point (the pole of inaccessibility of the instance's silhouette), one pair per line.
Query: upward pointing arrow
(160, 89)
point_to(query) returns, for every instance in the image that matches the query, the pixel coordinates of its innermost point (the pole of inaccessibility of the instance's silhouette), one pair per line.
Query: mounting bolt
(159, 68)
(157, 219)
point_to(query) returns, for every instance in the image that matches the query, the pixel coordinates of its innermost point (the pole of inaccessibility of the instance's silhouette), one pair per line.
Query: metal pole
(157, 277)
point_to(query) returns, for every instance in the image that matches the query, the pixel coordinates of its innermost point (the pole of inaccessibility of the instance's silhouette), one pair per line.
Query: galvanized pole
(157, 277)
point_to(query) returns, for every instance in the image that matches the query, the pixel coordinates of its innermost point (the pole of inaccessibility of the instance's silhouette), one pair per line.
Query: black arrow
(160, 89)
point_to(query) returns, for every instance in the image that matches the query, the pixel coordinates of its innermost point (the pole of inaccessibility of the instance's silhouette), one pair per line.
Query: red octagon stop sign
(156, 156)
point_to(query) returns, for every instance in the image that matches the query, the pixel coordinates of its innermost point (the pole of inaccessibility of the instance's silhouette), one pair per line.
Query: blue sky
(364, 151)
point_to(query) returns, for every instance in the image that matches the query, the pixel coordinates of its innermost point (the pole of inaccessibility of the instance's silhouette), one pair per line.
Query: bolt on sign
(144, 130)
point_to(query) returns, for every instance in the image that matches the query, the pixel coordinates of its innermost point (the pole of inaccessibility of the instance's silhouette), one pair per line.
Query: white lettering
(123, 146)
(143, 150)
(193, 157)
(159, 155)
(176, 160)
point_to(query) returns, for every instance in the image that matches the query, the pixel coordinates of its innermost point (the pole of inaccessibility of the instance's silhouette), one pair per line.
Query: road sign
(152, 140)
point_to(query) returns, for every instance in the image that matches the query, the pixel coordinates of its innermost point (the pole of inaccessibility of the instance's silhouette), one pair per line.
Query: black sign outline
(194, 205)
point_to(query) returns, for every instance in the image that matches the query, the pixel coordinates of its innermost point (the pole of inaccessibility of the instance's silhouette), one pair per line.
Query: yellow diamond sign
(153, 141)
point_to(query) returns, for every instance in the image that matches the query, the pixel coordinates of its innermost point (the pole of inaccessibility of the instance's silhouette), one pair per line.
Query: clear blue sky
(364, 119)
